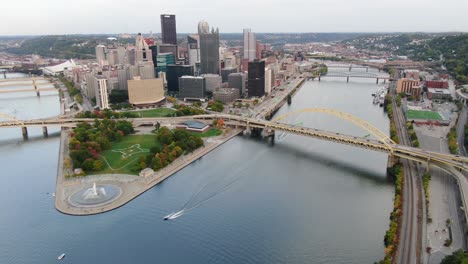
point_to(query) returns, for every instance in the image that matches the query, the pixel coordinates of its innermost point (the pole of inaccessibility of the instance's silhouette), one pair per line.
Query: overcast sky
(38, 17)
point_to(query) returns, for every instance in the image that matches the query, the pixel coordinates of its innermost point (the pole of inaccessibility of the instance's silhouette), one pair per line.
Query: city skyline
(315, 16)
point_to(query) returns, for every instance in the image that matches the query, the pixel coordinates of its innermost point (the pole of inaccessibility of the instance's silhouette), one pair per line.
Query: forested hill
(62, 46)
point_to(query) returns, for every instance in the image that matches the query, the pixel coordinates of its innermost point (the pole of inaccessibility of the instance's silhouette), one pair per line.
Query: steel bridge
(22, 79)
(349, 75)
(381, 143)
(18, 82)
(350, 67)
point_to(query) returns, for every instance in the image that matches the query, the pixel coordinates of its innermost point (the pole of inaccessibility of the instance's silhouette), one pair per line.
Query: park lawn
(429, 115)
(120, 164)
(210, 133)
(158, 112)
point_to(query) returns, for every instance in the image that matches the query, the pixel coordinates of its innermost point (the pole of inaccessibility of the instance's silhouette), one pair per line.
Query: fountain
(95, 195)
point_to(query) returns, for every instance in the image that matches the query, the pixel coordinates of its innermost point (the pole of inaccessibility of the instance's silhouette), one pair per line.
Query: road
(444, 200)
(461, 131)
(408, 249)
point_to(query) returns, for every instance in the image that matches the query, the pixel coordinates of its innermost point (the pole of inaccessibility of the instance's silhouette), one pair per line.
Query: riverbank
(131, 186)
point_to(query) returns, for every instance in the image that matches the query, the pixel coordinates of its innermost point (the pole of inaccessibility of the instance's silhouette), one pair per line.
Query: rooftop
(194, 124)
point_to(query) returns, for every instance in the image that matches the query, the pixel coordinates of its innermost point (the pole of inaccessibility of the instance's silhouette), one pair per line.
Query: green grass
(429, 115)
(116, 160)
(158, 112)
(210, 133)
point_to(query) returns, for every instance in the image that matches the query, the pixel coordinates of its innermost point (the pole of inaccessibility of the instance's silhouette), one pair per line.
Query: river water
(299, 201)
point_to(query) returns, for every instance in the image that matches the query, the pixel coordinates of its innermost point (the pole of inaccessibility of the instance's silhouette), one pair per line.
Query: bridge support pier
(247, 130)
(367, 69)
(392, 161)
(350, 68)
(377, 82)
(289, 99)
(4, 75)
(385, 81)
(44, 131)
(347, 79)
(319, 78)
(24, 131)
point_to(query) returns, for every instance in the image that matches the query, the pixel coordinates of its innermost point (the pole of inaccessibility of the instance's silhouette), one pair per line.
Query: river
(300, 200)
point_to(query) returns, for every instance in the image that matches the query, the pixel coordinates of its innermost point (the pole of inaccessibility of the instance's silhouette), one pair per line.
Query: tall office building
(102, 95)
(168, 29)
(237, 80)
(143, 52)
(164, 59)
(192, 87)
(250, 45)
(226, 71)
(165, 48)
(173, 73)
(146, 70)
(209, 48)
(256, 79)
(212, 82)
(101, 54)
(193, 43)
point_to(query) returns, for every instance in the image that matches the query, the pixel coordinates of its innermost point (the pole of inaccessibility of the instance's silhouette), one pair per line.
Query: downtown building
(168, 29)
(193, 46)
(102, 95)
(237, 80)
(209, 49)
(226, 95)
(145, 92)
(101, 55)
(173, 73)
(256, 79)
(191, 87)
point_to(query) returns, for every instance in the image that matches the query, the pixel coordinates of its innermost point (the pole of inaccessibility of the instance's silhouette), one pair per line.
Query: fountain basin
(95, 195)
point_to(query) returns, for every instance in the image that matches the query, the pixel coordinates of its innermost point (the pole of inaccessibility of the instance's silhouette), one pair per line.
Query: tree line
(87, 141)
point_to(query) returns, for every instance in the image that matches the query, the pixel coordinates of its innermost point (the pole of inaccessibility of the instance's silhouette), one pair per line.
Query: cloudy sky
(33, 17)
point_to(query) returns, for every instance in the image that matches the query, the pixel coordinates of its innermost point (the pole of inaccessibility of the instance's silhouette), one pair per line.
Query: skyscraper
(143, 53)
(173, 73)
(209, 48)
(168, 29)
(102, 95)
(101, 54)
(193, 43)
(250, 45)
(256, 78)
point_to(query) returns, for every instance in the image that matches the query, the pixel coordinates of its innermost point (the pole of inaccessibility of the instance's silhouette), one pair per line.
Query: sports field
(427, 115)
(122, 154)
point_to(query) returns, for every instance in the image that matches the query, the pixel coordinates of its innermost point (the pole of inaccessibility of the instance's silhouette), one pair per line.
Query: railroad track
(407, 248)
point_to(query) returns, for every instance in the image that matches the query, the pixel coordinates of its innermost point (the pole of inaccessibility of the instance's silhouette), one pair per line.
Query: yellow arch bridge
(381, 143)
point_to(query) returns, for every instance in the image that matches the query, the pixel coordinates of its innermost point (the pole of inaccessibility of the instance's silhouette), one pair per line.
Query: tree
(157, 163)
(79, 98)
(98, 165)
(118, 96)
(88, 165)
(458, 257)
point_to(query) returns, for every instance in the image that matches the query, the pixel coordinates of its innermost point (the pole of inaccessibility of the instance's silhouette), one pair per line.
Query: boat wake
(220, 186)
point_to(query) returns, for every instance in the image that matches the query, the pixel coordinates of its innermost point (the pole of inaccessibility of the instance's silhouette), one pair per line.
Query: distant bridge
(19, 82)
(30, 79)
(349, 75)
(350, 67)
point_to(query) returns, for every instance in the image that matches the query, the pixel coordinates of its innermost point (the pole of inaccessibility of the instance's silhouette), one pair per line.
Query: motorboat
(167, 217)
(61, 256)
